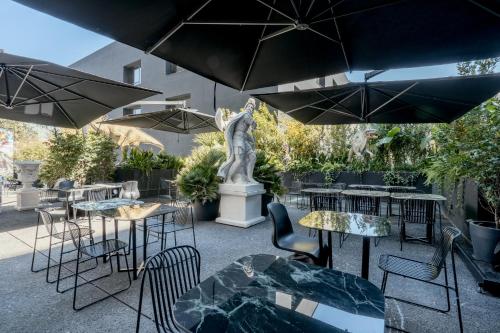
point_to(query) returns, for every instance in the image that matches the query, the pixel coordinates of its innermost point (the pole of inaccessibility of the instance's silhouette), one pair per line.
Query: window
(129, 111)
(132, 73)
(170, 68)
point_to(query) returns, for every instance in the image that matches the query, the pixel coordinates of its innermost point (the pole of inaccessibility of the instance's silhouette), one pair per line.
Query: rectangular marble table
(266, 293)
(367, 226)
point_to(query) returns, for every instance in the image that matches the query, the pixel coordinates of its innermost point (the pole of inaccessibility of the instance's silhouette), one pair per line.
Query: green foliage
(167, 161)
(98, 159)
(145, 161)
(469, 147)
(395, 178)
(142, 160)
(65, 151)
(85, 159)
(28, 142)
(268, 138)
(267, 171)
(198, 178)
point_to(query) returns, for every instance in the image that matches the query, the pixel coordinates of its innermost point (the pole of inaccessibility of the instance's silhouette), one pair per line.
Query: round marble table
(367, 226)
(266, 293)
(367, 193)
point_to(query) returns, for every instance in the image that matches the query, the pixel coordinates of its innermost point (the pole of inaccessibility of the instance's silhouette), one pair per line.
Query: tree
(468, 148)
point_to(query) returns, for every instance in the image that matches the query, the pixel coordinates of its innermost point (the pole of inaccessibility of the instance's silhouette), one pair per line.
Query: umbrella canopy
(424, 101)
(175, 120)
(39, 92)
(125, 136)
(248, 44)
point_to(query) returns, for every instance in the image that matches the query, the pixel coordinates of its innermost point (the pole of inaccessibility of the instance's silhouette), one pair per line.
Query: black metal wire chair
(330, 202)
(182, 219)
(294, 191)
(170, 274)
(416, 211)
(95, 250)
(55, 238)
(426, 271)
(367, 205)
(167, 190)
(49, 196)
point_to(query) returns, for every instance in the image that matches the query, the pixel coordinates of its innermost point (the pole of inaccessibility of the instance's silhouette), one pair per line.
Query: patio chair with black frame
(366, 205)
(182, 219)
(167, 190)
(95, 250)
(294, 190)
(426, 272)
(423, 212)
(55, 238)
(179, 269)
(330, 202)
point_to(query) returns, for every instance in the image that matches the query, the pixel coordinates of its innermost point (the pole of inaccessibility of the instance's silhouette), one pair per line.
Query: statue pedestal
(27, 196)
(240, 204)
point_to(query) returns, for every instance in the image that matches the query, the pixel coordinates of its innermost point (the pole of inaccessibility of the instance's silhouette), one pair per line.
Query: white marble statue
(240, 162)
(359, 146)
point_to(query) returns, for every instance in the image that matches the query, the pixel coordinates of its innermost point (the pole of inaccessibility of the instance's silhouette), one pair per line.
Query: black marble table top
(349, 223)
(266, 293)
(137, 212)
(366, 193)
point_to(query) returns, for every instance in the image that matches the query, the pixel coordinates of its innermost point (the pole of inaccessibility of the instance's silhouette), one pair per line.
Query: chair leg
(75, 286)
(48, 259)
(459, 311)
(384, 281)
(34, 247)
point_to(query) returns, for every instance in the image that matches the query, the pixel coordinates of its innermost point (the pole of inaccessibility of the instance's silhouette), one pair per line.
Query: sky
(27, 32)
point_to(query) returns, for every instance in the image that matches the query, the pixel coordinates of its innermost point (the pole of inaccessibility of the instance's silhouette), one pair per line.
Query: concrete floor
(29, 304)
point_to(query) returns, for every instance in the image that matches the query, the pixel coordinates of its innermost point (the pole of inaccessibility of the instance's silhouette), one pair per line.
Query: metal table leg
(365, 259)
(330, 250)
(104, 238)
(134, 250)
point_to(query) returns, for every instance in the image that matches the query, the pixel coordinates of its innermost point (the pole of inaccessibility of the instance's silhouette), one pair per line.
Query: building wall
(109, 62)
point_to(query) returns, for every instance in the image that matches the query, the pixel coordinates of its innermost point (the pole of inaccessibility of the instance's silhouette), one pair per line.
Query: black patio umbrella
(40, 92)
(175, 120)
(414, 101)
(249, 44)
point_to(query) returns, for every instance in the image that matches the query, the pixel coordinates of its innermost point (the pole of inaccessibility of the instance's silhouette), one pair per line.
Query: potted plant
(199, 182)
(469, 149)
(266, 171)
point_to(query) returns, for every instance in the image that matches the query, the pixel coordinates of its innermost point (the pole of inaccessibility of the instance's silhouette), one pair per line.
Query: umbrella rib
(446, 100)
(341, 42)
(342, 100)
(390, 3)
(327, 9)
(310, 7)
(323, 35)
(332, 110)
(313, 103)
(295, 8)
(289, 28)
(60, 100)
(73, 92)
(203, 121)
(20, 85)
(257, 48)
(7, 92)
(175, 29)
(48, 92)
(276, 10)
(483, 7)
(63, 110)
(409, 105)
(395, 97)
(237, 23)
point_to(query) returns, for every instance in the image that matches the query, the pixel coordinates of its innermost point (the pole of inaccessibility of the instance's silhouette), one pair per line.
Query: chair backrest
(76, 234)
(281, 222)
(446, 244)
(325, 202)
(170, 274)
(66, 184)
(47, 220)
(130, 190)
(418, 211)
(169, 187)
(97, 194)
(361, 204)
(184, 213)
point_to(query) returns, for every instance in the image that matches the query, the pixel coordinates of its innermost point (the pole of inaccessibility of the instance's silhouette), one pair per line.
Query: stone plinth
(240, 204)
(27, 196)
